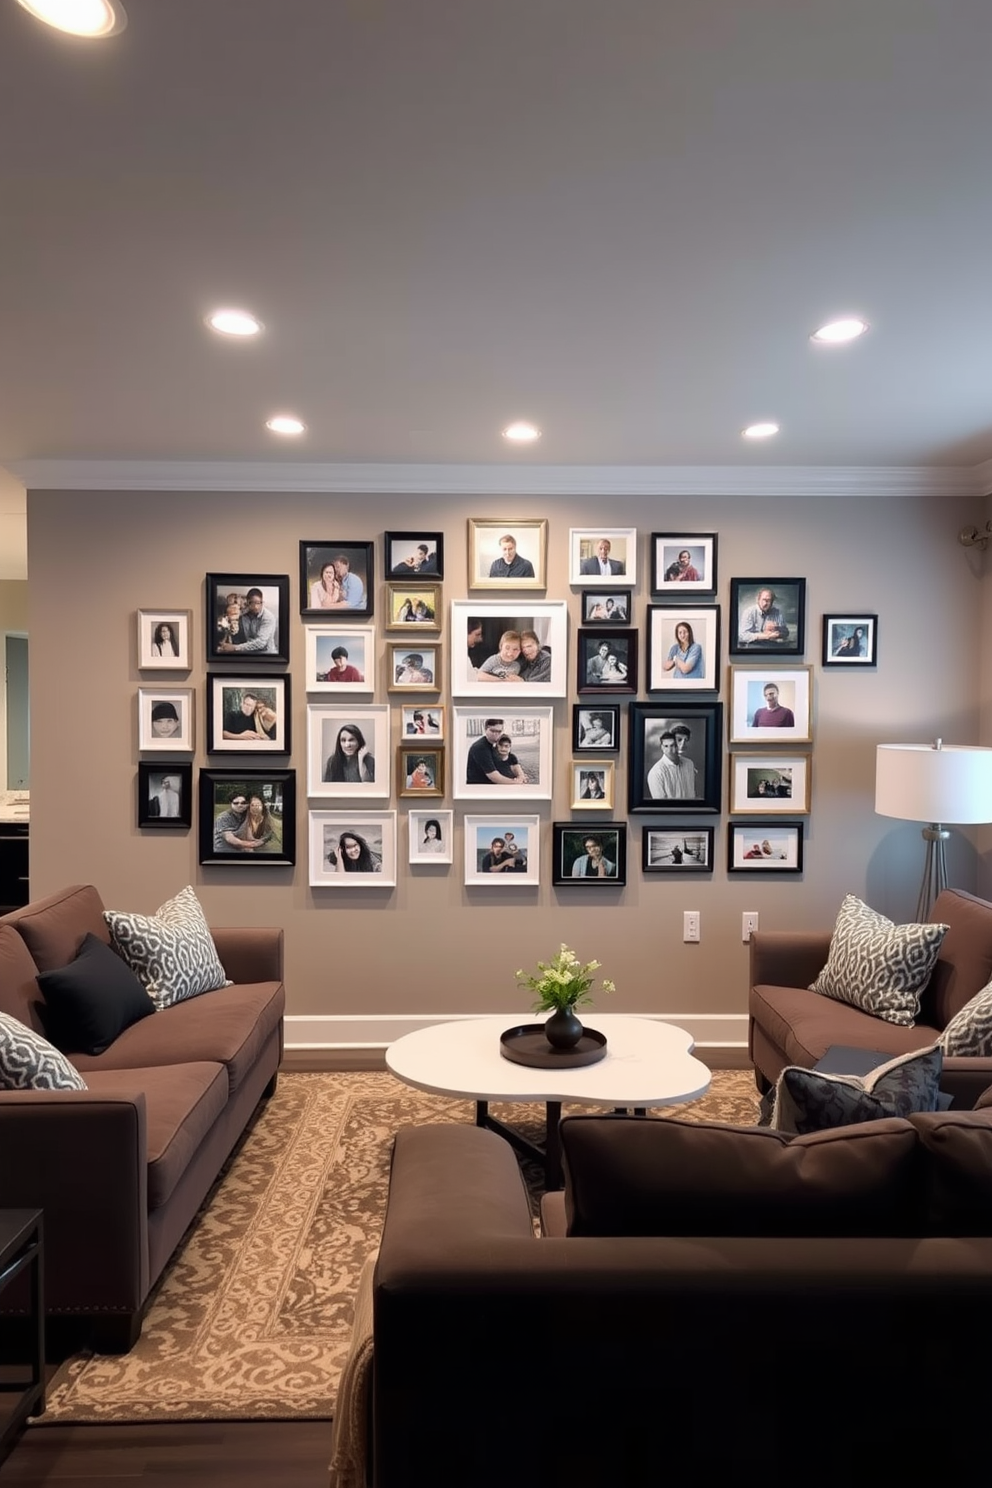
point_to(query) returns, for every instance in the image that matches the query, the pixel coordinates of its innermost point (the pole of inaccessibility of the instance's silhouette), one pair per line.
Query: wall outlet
(690, 925)
(749, 923)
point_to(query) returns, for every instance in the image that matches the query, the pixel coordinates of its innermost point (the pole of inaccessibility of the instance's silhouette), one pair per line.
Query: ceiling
(619, 219)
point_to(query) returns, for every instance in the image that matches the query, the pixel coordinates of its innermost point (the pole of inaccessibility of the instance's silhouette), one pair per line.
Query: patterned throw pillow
(29, 1062)
(970, 1030)
(877, 966)
(172, 952)
(809, 1100)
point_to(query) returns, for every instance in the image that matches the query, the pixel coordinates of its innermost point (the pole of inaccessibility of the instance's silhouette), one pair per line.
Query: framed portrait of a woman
(348, 750)
(164, 640)
(431, 833)
(352, 850)
(683, 648)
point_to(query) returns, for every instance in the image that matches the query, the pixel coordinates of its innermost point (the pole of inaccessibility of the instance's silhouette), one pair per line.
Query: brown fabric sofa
(788, 1024)
(121, 1168)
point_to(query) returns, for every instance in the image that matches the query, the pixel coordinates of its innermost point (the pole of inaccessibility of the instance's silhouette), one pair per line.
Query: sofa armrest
(788, 958)
(250, 953)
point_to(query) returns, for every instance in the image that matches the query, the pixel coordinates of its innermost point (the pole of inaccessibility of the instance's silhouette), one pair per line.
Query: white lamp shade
(918, 783)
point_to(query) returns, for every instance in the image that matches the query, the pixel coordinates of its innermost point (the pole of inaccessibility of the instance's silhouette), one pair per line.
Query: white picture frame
(376, 830)
(324, 724)
(583, 553)
(164, 653)
(531, 732)
(702, 623)
(271, 716)
(487, 621)
(519, 832)
(748, 700)
(165, 719)
(358, 641)
(420, 851)
(423, 721)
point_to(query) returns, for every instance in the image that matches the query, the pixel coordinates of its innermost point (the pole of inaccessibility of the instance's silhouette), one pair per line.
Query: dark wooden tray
(526, 1044)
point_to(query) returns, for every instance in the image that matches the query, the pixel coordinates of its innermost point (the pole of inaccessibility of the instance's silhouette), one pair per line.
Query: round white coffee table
(646, 1064)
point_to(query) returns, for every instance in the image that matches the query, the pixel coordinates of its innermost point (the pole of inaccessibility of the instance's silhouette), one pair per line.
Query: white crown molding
(983, 476)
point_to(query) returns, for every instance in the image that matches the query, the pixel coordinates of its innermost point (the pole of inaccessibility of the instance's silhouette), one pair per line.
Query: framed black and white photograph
(771, 705)
(513, 649)
(340, 658)
(248, 817)
(674, 758)
(606, 661)
(165, 795)
(164, 640)
(414, 606)
(502, 750)
(595, 727)
(765, 847)
(431, 836)
(423, 721)
(764, 783)
(507, 554)
(414, 555)
(352, 849)
(683, 648)
(767, 615)
(683, 564)
(337, 577)
(247, 617)
(599, 608)
(348, 750)
(503, 848)
(413, 667)
(419, 770)
(589, 855)
(593, 785)
(677, 849)
(165, 719)
(850, 640)
(601, 555)
(248, 715)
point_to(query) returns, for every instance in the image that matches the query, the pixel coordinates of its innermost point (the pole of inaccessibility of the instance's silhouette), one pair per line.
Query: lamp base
(935, 870)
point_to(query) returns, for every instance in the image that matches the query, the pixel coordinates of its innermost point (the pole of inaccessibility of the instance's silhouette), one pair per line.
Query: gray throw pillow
(811, 1100)
(29, 1062)
(171, 952)
(970, 1030)
(878, 966)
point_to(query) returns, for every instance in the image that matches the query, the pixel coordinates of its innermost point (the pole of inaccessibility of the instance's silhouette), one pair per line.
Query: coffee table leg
(482, 1113)
(552, 1146)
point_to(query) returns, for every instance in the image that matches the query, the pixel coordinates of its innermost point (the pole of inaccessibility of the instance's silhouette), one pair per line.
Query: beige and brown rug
(252, 1319)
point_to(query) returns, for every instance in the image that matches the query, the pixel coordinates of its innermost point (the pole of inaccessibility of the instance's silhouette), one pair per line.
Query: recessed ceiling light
(521, 432)
(836, 332)
(93, 18)
(234, 323)
(285, 423)
(760, 431)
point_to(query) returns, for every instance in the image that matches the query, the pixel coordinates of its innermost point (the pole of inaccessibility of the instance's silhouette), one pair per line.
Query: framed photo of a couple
(413, 605)
(340, 658)
(247, 618)
(164, 640)
(503, 849)
(248, 715)
(412, 555)
(606, 661)
(674, 757)
(248, 817)
(683, 564)
(502, 752)
(761, 784)
(352, 850)
(765, 847)
(338, 577)
(516, 649)
(605, 609)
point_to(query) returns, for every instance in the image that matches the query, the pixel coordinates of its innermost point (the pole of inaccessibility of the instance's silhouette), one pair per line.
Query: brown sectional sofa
(121, 1168)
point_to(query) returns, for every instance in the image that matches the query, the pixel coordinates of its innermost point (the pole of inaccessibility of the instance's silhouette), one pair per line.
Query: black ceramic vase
(563, 1029)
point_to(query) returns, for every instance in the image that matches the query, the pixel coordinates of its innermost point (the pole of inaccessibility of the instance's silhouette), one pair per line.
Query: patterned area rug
(252, 1319)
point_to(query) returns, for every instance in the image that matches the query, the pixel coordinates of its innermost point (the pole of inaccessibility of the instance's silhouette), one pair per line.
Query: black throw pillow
(92, 1000)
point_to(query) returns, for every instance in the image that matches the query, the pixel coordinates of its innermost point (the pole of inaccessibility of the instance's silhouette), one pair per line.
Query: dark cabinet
(13, 865)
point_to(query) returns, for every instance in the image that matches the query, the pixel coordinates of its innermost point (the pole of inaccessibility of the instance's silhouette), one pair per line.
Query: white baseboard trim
(352, 1032)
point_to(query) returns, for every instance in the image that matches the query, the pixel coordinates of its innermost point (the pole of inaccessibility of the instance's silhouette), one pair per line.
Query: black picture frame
(677, 849)
(218, 788)
(219, 588)
(226, 694)
(649, 723)
(668, 576)
(586, 737)
(570, 857)
(788, 598)
(857, 633)
(316, 556)
(589, 649)
(782, 839)
(606, 608)
(151, 782)
(398, 547)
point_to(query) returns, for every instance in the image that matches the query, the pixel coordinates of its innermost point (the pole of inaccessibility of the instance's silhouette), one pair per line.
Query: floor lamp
(934, 784)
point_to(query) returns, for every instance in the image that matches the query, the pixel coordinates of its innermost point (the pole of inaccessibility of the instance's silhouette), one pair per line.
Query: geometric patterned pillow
(970, 1030)
(810, 1100)
(29, 1062)
(171, 952)
(877, 966)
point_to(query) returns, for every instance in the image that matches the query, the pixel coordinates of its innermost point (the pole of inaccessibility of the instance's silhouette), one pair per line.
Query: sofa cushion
(876, 965)
(964, 965)
(970, 1031)
(18, 980)
(813, 1100)
(804, 1026)
(92, 1000)
(171, 952)
(54, 928)
(956, 1153)
(29, 1062)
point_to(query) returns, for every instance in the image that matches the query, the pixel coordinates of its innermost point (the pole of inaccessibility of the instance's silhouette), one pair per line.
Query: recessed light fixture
(234, 322)
(95, 19)
(836, 332)
(521, 432)
(285, 423)
(760, 431)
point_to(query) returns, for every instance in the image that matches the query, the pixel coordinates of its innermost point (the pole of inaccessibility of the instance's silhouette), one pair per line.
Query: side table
(22, 1248)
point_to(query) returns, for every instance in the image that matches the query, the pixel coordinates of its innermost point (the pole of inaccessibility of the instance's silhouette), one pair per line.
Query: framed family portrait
(348, 750)
(606, 661)
(412, 555)
(507, 554)
(850, 640)
(503, 848)
(340, 658)
(165, 719)
(414, 605)
(600, 555)
(771, 705)
(422, 721)
(165, 795)
(582, 855)
(338, 577)
(595, 727)
(431, 834)
(501, 750)
(683, 648)
(592, 785)
(248, 715)
(413, 668)
(164, 640)
(677, 849)
(248, 817)
(605, 609)
(420, 770)
(516, 649)
(674, 757)
(683, 564)
(762, 847)
(768, 615)
(247, 618)
(352, 850)
(761, 784)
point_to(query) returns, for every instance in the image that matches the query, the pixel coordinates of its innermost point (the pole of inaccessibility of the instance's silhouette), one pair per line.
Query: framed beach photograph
(412, 555)
(247, 618)
(763, 847)
(606, 661)
(600, 555)
(413, 667)
(683, 564)
(764, 783)
(165, 719)
(348, 750)
(677, 849)
(503, 848)
(248, 715)
(771, 705)
(165, 795)
(683, 648)
(599, 608)
(595, 727)
(431, 836)
(767, 615)
(507, 554)
(338, 577)
(340, 658)
(164, 640)
(850, 640)
(500, 750)
(423, 721)
(587, 855)
(516, 649)
(414, 605)
(419, 770)
(593, 785)
(674, 759)
(248, 817)
(352, 849)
